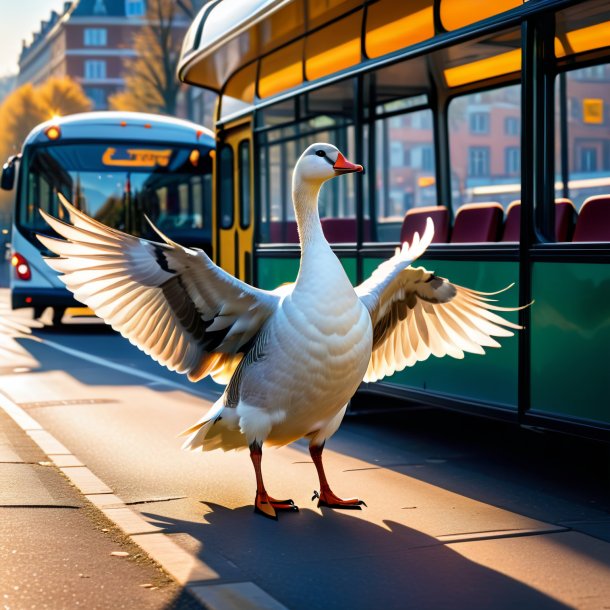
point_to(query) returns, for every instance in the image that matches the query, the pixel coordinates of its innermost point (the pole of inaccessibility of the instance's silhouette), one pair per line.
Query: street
(461, 513)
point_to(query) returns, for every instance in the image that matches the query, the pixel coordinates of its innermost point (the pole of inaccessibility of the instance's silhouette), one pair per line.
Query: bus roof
(123, 126)
(305, 40)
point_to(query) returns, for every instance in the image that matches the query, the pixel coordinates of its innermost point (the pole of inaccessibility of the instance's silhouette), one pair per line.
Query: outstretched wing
(416, 314)
(172, 302)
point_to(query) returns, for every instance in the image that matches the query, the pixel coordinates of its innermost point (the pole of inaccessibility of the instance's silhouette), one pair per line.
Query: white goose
(292, 357)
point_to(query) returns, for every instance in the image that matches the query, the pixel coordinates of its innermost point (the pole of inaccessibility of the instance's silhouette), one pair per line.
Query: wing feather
(416, 314)
(172, 302)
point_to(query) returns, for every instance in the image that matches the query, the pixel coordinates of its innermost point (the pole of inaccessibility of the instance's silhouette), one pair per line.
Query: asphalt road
(461, 512)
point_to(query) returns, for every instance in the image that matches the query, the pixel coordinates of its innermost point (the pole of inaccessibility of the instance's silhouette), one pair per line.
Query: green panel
(274, 271)
(490, 378)
(571, 340)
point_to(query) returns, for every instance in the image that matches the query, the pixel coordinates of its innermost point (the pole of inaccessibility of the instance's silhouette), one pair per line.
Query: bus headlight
(22, 267)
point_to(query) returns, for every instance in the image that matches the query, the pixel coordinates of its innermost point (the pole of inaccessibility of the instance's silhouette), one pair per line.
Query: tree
(27, 106)
(62, 96)
(150, 78)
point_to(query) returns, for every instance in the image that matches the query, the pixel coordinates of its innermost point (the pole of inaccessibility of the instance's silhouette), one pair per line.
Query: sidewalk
(55, 547)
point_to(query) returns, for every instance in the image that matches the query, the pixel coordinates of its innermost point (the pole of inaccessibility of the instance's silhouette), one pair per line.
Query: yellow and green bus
(493, 117)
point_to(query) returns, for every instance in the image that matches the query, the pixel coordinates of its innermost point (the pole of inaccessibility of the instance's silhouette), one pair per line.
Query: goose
(291, 358)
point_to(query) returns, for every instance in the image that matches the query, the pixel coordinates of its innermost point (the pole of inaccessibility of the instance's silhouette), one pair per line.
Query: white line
(127, 369)
(187, 569)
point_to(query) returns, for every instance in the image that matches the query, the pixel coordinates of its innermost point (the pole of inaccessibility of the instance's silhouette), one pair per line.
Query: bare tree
(150, 78)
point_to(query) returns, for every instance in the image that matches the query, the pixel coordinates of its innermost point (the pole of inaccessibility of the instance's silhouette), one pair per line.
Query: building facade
(89, 41)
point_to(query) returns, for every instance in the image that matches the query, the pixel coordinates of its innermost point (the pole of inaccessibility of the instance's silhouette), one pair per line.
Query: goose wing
(172, 302)
(416, 313)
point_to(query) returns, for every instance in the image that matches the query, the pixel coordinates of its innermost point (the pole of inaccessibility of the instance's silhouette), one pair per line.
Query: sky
(20, 18)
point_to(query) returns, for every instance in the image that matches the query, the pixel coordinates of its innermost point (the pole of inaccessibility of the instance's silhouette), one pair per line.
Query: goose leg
(264, 504)
(326, 497)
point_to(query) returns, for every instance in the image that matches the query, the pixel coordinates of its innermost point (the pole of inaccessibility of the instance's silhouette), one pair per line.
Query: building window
(134, 8)
(511, 126)
(588, 159)
(95, 69)
(479, 122)
(396, 154)
(427, 158)
(512, 161)
(478, 161)
(95, 37)
(97, 96)
(590, 73)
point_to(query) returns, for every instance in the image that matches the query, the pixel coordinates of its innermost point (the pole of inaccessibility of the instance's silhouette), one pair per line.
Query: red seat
(477, 222)
(593, 222)
(565, 213)
(512, 223)
(343, 230)
(415, 221)
(564, 220)
(283, 232)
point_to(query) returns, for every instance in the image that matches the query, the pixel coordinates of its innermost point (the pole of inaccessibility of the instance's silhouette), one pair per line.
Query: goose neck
(305, 197)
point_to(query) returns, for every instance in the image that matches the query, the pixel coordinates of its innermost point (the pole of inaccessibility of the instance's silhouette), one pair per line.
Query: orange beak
(343, 166)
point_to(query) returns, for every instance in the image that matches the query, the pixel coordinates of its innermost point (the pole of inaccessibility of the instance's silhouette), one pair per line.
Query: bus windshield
(117, 184)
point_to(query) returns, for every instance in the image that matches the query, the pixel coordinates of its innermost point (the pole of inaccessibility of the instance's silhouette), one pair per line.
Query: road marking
(153, 379)
(47, 442)
(236, 596)
(186, 569)
(85, 480)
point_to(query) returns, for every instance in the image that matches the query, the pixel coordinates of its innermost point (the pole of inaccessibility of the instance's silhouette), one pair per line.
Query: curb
(189, 571)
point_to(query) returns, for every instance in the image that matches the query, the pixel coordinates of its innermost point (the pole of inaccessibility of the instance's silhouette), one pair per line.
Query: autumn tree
(27, 106)
(150, 78)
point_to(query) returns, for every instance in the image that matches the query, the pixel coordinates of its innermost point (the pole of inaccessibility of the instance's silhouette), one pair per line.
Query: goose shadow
(335, 560)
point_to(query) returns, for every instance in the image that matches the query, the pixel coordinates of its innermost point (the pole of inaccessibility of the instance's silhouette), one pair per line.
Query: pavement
(57, 550)
(462, 513)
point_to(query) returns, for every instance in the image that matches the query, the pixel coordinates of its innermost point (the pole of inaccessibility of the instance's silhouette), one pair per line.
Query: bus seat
(343, 230)
(512, 223)
(283, 232)
(565, 213)
(415, 221)
(564, 220)
(477, 222)
(593, 222)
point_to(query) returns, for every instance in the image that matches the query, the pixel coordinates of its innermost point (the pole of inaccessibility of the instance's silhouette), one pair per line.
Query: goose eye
(320, 153)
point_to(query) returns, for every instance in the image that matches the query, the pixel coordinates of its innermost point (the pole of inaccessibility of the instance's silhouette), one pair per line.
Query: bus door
(234, 233)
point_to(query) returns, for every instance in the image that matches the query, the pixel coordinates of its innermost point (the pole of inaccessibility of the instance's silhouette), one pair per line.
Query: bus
(116, 167)
(491, 117)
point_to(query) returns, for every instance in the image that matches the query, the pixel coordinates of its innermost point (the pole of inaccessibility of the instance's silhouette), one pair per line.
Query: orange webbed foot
(267, 506)
(328, 499)
(284, 505)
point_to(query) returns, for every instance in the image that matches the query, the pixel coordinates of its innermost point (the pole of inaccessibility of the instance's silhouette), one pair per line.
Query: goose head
(321, 162)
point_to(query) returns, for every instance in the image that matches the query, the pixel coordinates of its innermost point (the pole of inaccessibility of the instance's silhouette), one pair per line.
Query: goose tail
(217, 429)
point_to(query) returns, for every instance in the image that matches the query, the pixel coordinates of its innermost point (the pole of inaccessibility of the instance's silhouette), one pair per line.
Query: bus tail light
(22, 267)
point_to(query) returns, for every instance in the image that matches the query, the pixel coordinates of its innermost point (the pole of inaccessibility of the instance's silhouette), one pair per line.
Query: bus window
(225, 186)
(117, 183)
(404, 162)
(583, 144)
(325, 115)
(244, 183)
(485, 143)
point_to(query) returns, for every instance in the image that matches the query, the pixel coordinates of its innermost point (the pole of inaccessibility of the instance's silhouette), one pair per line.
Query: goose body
(291, 358)
(314, 350)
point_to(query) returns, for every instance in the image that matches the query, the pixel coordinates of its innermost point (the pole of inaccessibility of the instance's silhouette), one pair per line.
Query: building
(89, 41)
